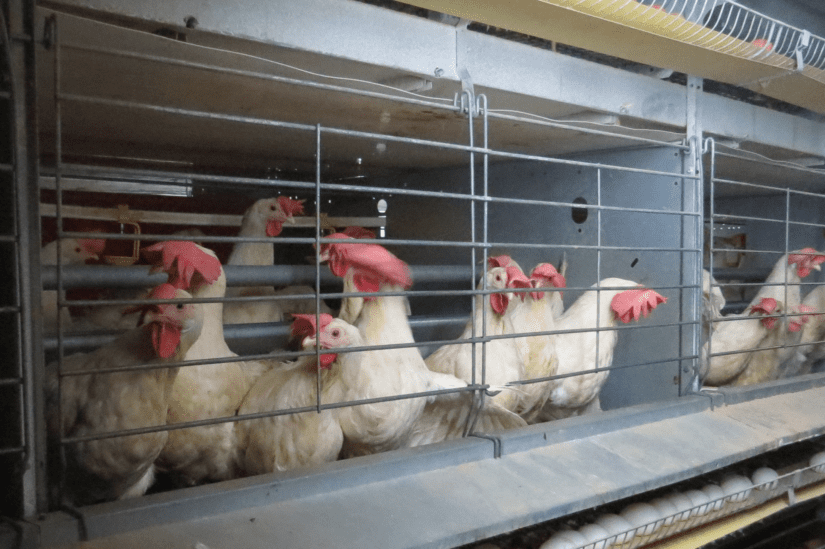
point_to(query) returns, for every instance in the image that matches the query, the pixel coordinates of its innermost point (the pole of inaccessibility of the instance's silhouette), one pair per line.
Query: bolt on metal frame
(473, 107)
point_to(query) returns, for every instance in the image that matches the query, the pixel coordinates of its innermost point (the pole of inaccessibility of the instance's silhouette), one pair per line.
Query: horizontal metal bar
(198, 178)
(749, 218)
(362, 135)
(6, 167)
(541, 121)
(387, 241)
(184, 218)
(597, 370)
(7, 451)
(234, 334)
(272, 413)
(9, 309)
(11, 381)
(8, 238)
(84, 276)
(780, 164)
(444, 103)
(766, 187)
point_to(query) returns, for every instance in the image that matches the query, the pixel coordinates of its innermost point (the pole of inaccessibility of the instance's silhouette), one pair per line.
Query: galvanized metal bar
(318, 266)
(466, 95)
(22, 75)
(344, 132)
(11, 382)
(218, 179)
(598, 369)
(293, 354)
(258, 415)
(445, 103)
(542, 121)
(598, 260)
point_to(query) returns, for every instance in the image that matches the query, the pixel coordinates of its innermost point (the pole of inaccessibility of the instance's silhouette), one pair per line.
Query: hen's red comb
(633, 304)
(795, 323)
(498, 261)
(358, 232)
(291, 207)
(805, 260)
(517, 279)
(766, 306)
(372, 264)
(304, 324)
(92, 245)
(181, 259)
(162, 291)
(545, 272)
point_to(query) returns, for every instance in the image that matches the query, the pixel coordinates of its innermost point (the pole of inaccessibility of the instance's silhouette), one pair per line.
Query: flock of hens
(259, 416)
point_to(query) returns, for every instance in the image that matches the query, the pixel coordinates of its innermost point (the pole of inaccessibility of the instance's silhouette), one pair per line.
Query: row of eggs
(644, 519)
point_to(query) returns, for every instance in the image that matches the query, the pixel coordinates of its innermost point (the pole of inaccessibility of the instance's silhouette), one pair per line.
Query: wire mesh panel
(473, 197)
(764, 273)
(459, 190)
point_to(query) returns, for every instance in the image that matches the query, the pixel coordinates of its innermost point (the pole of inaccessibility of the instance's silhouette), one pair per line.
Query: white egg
(682, 504)
(558, 541)
(765, 478)
(818, 463)
(643, 516)
(716, 495)
(700, 502)
(573, 536)
(618, 527)
(737, 488)
(596, 535)
(666, 509)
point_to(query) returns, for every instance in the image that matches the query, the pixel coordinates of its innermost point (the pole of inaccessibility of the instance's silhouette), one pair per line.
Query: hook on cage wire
(708, 145)
(465, 101)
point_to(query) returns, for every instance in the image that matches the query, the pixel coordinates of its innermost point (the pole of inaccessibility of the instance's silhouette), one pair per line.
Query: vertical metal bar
(691, 272)
(598, 258)
(58, 181)
(482, 108)
(787, 251)
(712, 214)
(318, 264)
(466, 95)
(27, 193)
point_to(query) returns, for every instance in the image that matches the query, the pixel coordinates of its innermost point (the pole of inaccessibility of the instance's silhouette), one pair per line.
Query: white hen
(72, 252)
(536, 313)
(287, 441)
(382, 320)
(813, 333)
(96, 403)
(738, 337)
(265, 218)
(577, 352)
(204, 391)
(503, 362)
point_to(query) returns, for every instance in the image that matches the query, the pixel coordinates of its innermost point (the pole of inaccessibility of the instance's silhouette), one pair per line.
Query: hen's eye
(180, 306)
(498, 278)
(336, 333)
(272, 207)
(77, 250)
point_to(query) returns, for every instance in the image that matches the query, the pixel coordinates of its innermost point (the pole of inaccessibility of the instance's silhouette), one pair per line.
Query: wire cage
(450, 204)
(147, 136)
